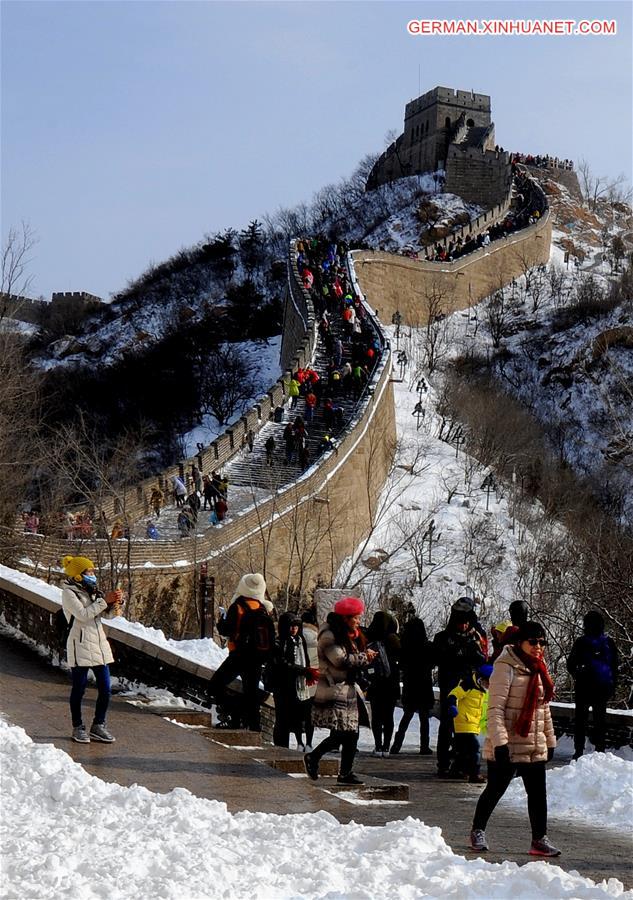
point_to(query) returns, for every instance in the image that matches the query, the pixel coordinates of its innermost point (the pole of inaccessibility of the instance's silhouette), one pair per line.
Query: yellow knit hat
(75, 566)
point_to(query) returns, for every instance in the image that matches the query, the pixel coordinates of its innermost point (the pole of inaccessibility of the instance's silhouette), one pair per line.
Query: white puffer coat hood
(87, 644)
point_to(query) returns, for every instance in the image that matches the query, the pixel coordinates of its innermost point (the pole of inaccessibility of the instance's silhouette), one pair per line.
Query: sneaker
(349, 779)
(311, 766)
(80, 735)
(101, 733)
(543, 847)
(395, 748)
(385, 754)
(376, 752)
(478, 840)
(477, 779)
(301, 748)
(426, 751)
(308, 748)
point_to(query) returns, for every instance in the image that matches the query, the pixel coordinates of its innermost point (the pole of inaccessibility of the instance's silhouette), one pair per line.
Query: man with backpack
(593, 664)
(250, 637)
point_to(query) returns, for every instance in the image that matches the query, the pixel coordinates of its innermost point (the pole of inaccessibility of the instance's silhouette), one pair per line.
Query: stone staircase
(251, 469)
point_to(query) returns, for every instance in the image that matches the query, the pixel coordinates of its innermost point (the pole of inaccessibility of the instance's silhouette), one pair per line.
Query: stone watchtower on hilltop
(451, 130)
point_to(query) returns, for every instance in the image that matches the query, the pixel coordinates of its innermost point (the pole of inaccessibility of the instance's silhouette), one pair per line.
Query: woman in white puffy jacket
(87, 646)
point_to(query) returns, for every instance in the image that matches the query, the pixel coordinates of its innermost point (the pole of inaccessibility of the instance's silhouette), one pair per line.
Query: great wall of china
(298, 528)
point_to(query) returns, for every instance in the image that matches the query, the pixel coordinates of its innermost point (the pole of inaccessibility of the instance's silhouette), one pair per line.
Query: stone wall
(431, 122)
(478, 176)
(301, 533)
(298, 535)
(395, 283)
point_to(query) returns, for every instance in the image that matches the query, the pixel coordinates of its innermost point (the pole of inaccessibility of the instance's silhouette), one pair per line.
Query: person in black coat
(417, 684)
(291, 676)
(593, 664)
(457, 650)
(384, 678)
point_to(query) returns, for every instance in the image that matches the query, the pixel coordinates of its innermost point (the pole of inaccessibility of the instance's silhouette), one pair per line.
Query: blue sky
(131, 129)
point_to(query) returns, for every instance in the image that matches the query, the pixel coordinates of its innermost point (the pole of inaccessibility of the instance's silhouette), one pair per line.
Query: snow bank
(66, 833)
(597, 788)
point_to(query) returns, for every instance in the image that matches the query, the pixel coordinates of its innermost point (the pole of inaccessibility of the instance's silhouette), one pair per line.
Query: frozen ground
(68, 834)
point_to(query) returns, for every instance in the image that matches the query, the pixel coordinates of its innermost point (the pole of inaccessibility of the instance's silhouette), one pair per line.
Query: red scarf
(537, 669)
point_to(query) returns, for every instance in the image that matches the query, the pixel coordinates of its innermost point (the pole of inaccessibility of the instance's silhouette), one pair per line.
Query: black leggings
(408, 711)
(382, 709)
(347, 741)
(499, 777)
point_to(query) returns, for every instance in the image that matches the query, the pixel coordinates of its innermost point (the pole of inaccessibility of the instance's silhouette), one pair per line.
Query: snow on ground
(473, 546)
(66, 833)
(597, 788)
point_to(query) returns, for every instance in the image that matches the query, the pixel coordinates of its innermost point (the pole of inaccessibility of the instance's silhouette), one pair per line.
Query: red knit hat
(349, 606)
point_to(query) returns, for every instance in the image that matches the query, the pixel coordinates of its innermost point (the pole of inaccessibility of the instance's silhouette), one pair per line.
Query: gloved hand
(452, 710)
(502, 755)
(550, 753)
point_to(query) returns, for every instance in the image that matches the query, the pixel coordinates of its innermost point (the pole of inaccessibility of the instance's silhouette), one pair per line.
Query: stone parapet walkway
(153, 752)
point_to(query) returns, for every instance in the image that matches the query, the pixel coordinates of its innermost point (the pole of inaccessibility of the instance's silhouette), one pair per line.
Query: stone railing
(393, 282)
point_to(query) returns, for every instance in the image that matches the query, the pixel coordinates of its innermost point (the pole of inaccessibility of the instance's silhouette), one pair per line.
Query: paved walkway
(159, 755)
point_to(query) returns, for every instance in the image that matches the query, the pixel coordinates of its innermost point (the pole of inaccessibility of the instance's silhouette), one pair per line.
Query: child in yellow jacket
(468, 703)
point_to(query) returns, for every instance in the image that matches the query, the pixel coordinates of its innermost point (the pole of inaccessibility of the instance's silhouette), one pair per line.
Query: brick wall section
(393, 282)
(482, 177)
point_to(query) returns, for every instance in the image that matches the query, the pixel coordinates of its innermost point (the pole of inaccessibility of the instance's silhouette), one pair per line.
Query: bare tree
(16, 259)
(227, 384)
(602, 187)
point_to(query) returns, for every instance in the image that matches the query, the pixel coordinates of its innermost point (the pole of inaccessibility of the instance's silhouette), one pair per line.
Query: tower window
(470, 123)
(447, 122)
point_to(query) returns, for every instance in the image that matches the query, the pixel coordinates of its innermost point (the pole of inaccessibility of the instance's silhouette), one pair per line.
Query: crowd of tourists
(494, 691)
(542, 162)
(351, 348)
(528, 208)
(339, 675)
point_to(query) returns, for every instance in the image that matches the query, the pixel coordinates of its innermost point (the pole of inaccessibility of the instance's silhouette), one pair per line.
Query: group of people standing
(321, 677)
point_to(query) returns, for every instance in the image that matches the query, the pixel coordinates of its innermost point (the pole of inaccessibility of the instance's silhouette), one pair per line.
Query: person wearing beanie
(336, 702)
(384, 678)
(468, 702)
(520, 739)
(250, 635)
(593, 664)
(87, 647)
(456, 651)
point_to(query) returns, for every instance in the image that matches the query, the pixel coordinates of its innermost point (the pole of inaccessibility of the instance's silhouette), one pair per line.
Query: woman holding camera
(87, 646)
(521, 736)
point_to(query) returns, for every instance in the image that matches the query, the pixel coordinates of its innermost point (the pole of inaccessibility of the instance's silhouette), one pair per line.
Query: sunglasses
(537, 642)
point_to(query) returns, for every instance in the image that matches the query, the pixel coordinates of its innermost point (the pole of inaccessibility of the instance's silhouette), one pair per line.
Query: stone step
(185, 716)
(294, 765)
(372, 789)
(234, 737)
